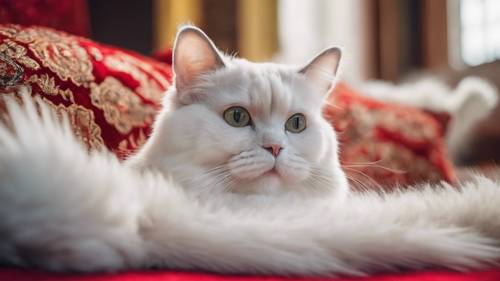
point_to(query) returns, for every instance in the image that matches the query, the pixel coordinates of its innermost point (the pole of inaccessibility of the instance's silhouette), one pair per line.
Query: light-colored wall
(306, 27)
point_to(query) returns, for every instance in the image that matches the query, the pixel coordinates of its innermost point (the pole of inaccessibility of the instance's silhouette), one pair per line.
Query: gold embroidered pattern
(10, 72)
(148, 88)
(131, 144)
(81, 119)
(82, 122)
(48, 86)
(65, 58)
(18, 53)
(96, 53)
(121, 107)
(9, 30)
(58, 51)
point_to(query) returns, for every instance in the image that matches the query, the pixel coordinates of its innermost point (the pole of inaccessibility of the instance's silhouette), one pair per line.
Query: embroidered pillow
(387, 144)
(110, 95)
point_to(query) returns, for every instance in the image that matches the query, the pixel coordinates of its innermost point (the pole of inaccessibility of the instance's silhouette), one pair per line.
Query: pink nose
(274, 149)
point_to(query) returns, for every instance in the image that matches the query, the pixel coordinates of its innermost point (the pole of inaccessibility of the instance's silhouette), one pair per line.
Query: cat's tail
(62, 208)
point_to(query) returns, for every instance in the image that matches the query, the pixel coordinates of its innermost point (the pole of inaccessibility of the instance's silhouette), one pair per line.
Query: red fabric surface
(110, 95)
(19, 275)
(164, 56)
(388, 144)
(68, 15)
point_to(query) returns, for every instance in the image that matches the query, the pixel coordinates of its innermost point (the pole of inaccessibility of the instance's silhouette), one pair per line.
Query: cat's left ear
(322, 69)
(194, 54)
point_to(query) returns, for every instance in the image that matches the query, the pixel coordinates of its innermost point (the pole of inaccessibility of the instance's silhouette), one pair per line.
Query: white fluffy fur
(470, 102)
(64, 209)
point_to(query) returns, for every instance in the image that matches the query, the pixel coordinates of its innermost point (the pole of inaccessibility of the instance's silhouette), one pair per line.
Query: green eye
(296, 123)
(237, 116)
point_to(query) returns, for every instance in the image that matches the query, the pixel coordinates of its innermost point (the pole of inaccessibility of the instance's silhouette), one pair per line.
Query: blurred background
(383, 39)
(392, 40)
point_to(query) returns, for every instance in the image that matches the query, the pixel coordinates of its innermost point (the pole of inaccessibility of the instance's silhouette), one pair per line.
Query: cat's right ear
(194, 54)
(322, 70)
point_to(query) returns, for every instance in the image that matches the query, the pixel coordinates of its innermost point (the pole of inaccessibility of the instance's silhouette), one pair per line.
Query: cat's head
(238, 126)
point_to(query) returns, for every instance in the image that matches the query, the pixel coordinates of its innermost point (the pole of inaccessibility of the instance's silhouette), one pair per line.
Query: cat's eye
(237, 116)
(296, 123)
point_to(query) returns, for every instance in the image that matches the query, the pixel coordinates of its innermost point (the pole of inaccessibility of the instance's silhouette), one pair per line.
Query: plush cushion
(388, 144)
(110, 95)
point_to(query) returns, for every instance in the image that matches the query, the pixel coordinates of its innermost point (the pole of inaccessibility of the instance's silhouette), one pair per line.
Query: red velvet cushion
(386, 143)
(111, 95)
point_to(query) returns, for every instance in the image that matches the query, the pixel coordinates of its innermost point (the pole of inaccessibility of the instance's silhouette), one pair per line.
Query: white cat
(241, 175)
(280, 141)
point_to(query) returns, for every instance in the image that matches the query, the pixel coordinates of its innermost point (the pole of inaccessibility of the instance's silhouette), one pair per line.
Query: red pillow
(110, 95)
(387, 144)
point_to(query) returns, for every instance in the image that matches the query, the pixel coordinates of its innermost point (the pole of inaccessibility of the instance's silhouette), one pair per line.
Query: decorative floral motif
(121, 107)
(9, 30)
(65, 58)
(81, 119)
(128, 145)
(48, 86)
(139, 70)
(18, 53)
(10, 72)
(95, 53)
(82, 122)
(387, 144)
(56, 50)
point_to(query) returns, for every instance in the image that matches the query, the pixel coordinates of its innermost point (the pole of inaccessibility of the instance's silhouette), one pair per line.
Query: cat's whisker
(207, 173)
(314, 184)
(213, 178)
(209, 179)
(319, 184)
(370, 179)
(216, 184)
(375, 165)
(319, 179)
(361, 186)
(229, 184)
(223, 181)
(329, 103)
